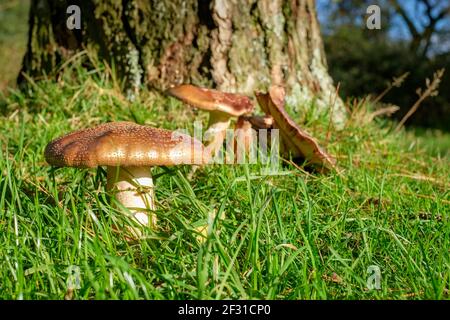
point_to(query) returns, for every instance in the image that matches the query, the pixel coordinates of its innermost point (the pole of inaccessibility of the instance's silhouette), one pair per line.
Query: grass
(295, 235)
(433, 141)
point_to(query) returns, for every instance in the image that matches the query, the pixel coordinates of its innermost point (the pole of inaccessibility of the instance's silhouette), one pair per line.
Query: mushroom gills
(133, 188)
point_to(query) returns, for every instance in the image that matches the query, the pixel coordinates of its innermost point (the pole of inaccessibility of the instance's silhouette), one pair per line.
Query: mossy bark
(232, 45)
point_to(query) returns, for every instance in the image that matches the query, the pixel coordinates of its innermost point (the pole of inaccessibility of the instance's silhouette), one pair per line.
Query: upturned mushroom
(296, 141)
(128, 150)
(221, 106)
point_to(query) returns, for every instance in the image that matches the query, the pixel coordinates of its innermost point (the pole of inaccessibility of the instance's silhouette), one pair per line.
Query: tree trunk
(232, 45)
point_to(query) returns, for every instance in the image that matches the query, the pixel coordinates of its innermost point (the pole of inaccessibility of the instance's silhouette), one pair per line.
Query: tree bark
(232, 45)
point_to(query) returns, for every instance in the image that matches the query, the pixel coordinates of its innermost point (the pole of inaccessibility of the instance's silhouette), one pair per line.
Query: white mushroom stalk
(214, 136)
(133, 188)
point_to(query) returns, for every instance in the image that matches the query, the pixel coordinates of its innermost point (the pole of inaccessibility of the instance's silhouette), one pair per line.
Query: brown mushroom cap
(213, 100)
(298, 140)
(123, 144)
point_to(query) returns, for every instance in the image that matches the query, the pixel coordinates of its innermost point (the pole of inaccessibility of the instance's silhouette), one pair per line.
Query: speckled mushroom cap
(123, 144)
(213, 100)
(299, 141)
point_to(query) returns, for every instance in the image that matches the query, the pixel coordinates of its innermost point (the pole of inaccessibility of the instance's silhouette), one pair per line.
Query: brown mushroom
(221, 106)
(245, 140)
(128, 150)
(296, 141)
(246, 135)
(260, 122)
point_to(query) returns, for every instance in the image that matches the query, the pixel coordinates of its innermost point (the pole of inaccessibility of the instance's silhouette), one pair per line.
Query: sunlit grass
(289, 236)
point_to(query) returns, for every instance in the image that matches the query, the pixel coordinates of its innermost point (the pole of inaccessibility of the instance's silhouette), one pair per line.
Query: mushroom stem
(245, 139)
(133, 188)
(216, 132)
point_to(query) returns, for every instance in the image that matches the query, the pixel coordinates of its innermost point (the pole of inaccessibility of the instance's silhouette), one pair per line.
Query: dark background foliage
(364, 60)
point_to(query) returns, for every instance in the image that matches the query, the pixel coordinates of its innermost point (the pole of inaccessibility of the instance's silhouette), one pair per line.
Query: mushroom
(247, 128)
(260, 122)
(128, 150)
(296, 141)
(221, 106)
(245, 140)
(246, 131)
